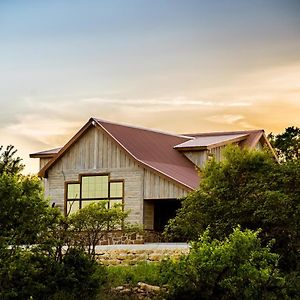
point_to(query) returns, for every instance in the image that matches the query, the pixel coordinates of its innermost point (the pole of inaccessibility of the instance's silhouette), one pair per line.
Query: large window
(93, 188)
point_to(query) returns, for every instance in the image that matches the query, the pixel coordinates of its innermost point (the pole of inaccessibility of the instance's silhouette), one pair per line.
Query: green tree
(8, 162)
(247, 188)
(238, 267)
(92, 222)
(38, 256)
(24, 213)
(287, 144)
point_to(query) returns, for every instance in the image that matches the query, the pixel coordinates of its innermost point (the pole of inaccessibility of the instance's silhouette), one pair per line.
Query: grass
(130, 275)
(145, 272)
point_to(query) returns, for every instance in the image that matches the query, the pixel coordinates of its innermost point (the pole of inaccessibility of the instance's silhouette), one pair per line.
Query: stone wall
(123, 255)
(119, 237)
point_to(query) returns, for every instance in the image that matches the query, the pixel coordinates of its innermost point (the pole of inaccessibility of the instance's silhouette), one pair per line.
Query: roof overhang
(208, 143)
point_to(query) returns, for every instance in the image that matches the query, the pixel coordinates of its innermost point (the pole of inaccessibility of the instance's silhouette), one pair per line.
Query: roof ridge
(142, 128)
(214, 133)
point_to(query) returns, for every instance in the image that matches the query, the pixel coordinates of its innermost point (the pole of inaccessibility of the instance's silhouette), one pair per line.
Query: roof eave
(43, 172)
(36, 155)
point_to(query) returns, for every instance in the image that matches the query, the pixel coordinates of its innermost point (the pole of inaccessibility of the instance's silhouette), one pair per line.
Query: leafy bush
(92, 222)
(236, 268)
(247, 188)
(31, 273)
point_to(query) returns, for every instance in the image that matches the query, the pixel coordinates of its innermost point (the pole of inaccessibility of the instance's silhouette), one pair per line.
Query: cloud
(267, 99)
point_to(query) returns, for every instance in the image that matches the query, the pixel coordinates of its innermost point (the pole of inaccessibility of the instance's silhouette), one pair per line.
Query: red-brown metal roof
(155, 150)
(208, 141)
(48, 153)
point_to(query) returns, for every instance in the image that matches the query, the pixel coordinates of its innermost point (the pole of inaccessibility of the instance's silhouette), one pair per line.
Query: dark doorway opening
(164, 210)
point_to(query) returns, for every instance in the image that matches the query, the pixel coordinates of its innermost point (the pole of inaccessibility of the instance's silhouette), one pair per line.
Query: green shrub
(34, 274)
(236, 268)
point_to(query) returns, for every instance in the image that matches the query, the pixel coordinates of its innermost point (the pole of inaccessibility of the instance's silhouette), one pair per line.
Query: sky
(179, 66)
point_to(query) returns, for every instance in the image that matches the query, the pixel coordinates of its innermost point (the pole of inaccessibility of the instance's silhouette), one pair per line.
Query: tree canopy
(287, 144)
(9, 163)
(250, 189)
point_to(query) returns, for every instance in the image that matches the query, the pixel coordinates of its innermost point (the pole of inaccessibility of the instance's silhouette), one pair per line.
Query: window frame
(80, 199)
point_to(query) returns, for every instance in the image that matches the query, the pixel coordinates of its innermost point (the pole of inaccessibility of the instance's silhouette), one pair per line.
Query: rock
(148, 287)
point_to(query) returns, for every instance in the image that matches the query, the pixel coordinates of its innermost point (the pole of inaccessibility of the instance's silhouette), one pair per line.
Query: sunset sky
(180, 66)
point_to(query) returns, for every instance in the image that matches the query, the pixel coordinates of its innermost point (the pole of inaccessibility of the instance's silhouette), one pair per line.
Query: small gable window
(92, 188)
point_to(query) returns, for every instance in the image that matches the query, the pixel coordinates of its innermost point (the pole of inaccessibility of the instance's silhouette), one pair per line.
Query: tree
(92, 222)
(24, 213)
(247, 188)
(8, 163)
(287, 144)
(238, 267)
(34, 262)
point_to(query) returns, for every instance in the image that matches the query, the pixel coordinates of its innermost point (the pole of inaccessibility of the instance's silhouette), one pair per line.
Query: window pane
(101, 187)
(72, 206)
(116, 189)
(114, 202)
(85, 203)
(73, 190)
(94, 187)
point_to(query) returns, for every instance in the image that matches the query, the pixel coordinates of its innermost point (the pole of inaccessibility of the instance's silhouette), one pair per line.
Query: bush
(236, 268)
(31, 273)
(247, 188)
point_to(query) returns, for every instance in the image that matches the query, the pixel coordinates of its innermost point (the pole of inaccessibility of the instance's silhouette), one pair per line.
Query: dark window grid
(91, 199)
(94, 199)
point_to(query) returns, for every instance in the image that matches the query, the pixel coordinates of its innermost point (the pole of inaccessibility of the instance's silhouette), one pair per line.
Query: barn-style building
(145, 170)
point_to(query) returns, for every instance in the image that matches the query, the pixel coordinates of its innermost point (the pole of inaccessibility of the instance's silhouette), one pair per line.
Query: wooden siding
(197, 157)
(217, 152)
(43, 162)
(149, 215)
(157, 187)
(96, 152)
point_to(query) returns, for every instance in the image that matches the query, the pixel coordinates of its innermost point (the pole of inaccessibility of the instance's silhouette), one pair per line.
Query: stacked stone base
(132, 257)
(120, 237)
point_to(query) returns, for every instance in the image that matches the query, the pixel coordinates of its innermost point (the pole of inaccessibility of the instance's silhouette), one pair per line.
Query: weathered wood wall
(197, 157)
(43, 162)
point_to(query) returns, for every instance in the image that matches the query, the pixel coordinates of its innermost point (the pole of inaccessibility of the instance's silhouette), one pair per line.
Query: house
(145, 170)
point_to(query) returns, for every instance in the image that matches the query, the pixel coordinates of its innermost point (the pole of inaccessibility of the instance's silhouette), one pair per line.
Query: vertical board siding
(157, 187)
(110, 158)
(43, 162)
(149, 215)
(199, 158)
(218, 152)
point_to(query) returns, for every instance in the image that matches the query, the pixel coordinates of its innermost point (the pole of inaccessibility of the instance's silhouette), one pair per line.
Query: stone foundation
(119, 237)
(131, 256)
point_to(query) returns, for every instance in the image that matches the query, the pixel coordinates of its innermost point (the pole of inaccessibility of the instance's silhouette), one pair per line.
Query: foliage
(38, 256)
(145, 272)
(287, 144)
(32, 273)
(247, 188)
(24, 213)
(92, 222)
(8, 163)
(236, 268)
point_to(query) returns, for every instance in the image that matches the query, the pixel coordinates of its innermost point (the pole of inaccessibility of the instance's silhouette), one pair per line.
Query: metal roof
(49, 153)
(156, 150)
(208, 141)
